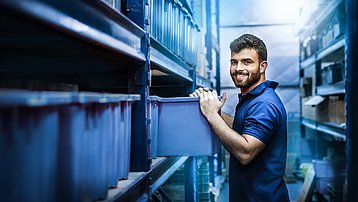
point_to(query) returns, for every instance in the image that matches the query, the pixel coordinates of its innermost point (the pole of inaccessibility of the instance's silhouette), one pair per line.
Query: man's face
(245, 68)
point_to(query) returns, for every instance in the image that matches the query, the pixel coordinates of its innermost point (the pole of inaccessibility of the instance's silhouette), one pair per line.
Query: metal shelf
(323, 14)
(215, 43)
(337, 44)
(167, 62)
(203, 82)
(105, 28)
(136, 186)
(308, 61)
(337, 88)
(187, 5)
(329, 128)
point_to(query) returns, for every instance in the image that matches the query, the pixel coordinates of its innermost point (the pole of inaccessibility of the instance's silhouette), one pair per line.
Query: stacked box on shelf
(178, 128)
(329, 173)
(337, 109)
(29, 128)
(66, 146)
(173, 26)
(332, 73)
(315, 108)
(306, 87)
(115, 4)
(94, 148)
(331, 28)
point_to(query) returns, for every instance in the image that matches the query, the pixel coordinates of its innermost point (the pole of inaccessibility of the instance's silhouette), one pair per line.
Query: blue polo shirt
(261, 114)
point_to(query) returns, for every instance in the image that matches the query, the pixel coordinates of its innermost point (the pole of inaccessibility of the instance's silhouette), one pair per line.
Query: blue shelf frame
(112, 30)
(96, 23)
(167, 62)
(136, 186)
(328, 128)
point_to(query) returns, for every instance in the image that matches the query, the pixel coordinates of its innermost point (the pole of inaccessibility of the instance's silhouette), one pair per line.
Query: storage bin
(329, 173)
(329, 168)
(177, 27)
(63, 146)
(153, 19)
(153, 113)
(116, 4)
(94, 145)
(178, 128)
(333, 73)
(188, 39)
(156, 19)
(190, 44)
(195, 46)
(184, 27)
(168, 13)
(28, 144)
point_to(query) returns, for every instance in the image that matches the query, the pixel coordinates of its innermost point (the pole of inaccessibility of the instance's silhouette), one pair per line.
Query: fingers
(223, 98)
(205, 95)
(199, 91)
(200, 95)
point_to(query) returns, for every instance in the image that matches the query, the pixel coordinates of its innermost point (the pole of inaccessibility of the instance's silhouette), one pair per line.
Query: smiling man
(257, 137)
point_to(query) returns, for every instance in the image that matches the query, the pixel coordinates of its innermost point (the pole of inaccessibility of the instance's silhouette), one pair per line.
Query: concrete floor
(293, 190)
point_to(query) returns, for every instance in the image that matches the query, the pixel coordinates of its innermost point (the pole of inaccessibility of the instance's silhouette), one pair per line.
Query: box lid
(315, 100)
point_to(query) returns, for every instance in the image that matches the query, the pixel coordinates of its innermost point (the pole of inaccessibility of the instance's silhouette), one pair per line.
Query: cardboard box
(315, 108)
(337, 109)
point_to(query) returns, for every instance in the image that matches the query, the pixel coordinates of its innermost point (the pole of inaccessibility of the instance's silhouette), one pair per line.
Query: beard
(251, 78)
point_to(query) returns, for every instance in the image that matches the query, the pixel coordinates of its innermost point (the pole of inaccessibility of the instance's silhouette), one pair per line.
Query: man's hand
(209, 101)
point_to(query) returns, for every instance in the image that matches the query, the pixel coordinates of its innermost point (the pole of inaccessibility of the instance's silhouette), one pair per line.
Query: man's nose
(239, 67)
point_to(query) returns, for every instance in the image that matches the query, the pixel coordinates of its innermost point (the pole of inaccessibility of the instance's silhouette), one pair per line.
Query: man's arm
(229, 120)
(244, 147)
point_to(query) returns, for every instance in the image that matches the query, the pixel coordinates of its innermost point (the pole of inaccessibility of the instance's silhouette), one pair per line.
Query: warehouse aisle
(293, 190)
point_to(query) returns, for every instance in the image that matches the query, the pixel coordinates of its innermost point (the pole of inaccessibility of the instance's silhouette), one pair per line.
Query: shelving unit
(322, 72)
(311, 64)
(97, 46)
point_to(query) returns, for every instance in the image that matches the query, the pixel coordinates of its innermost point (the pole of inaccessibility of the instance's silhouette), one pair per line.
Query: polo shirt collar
(260, 88)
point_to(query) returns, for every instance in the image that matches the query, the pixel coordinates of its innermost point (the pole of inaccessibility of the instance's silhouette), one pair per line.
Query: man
(257, 140)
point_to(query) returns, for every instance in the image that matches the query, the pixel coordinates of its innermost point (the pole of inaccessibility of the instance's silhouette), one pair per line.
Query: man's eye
(247, 62)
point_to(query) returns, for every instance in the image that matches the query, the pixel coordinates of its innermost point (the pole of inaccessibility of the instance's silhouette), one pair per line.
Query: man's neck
(244, 91)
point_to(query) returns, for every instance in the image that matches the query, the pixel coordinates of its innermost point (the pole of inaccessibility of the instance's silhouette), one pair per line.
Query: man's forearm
(232, 141)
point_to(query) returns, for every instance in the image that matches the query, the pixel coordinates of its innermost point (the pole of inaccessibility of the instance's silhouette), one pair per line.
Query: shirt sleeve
(261, 121)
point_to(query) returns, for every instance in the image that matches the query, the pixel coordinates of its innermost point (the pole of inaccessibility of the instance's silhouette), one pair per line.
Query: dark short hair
(249, 41)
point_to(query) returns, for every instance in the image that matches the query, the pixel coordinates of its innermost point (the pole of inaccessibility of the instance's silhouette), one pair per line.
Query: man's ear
(263, 66)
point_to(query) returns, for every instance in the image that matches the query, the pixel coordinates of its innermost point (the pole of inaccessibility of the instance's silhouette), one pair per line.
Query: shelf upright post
(138, 82)
(352, 98)
(209, 47)
(191, 179)
(208, 36)
(218, 84)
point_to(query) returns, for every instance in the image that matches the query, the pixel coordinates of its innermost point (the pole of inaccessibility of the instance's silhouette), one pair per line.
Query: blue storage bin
(329, 173)
(168, 15)
(59, 146)
(181, 129)
(95, 147)
(176, 27)
(28, 144)
(153, 127)
(125, 132)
